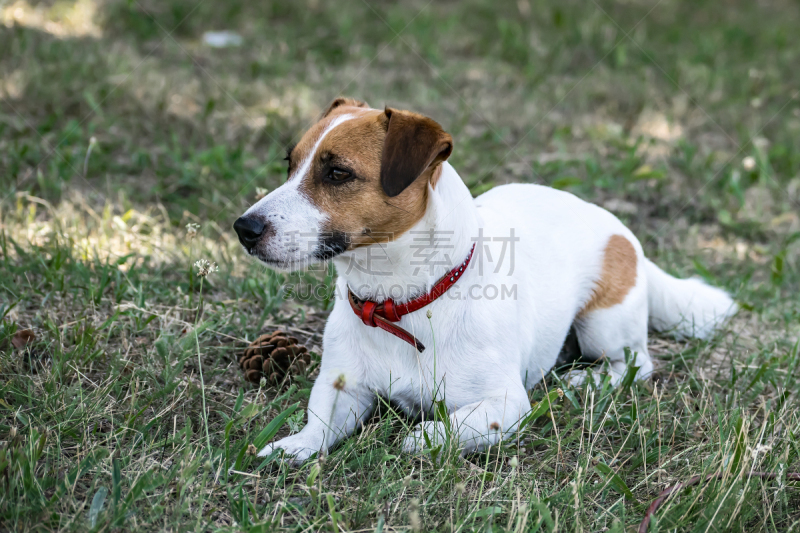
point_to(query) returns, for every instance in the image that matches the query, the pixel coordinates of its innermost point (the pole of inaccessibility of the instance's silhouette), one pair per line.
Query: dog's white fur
(482, 353)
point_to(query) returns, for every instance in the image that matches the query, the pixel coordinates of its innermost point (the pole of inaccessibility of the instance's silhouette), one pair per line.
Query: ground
(119, 127)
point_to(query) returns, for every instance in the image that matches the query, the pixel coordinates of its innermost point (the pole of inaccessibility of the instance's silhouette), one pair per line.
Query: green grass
(648, 108)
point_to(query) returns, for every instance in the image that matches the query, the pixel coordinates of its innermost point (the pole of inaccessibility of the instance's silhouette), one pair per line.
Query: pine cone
(274, 356)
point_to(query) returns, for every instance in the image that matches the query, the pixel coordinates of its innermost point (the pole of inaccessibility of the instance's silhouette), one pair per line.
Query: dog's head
(358, 177)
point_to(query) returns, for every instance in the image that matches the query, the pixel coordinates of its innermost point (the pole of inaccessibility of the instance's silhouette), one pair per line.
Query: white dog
(490, 285)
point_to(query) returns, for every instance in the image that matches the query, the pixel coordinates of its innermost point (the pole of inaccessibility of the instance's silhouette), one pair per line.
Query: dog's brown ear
(413, 143)
(352, 102)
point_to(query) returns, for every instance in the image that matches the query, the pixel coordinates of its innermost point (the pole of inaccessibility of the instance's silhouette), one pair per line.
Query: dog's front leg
(334, 411)
(476, 425)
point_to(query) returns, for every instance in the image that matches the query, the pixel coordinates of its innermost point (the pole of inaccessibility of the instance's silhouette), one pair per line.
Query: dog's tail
(686, 307)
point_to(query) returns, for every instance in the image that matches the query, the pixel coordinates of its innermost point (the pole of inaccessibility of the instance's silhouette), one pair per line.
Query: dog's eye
(337, 174)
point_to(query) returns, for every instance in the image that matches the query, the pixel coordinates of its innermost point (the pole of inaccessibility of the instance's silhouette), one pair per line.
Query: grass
(648, 108)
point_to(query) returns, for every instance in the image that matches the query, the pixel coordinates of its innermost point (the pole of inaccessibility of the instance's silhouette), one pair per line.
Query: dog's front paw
(577, 378)
(296, 449)
(415, 442)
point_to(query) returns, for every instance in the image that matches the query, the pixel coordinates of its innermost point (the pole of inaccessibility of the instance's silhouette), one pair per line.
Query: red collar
(382, 315)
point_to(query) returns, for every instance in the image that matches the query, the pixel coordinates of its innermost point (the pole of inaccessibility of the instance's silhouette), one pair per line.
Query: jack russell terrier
(419, 317)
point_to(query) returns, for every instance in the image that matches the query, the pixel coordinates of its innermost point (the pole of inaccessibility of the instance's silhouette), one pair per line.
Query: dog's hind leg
(605, 333)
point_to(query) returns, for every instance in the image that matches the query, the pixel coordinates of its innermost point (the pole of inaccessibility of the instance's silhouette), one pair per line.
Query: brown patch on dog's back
(617, 277)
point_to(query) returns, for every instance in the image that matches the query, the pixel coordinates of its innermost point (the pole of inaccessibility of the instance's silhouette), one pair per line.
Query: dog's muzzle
(249, 230)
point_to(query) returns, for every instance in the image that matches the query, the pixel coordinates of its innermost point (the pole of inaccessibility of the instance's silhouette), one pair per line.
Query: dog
(425, 311)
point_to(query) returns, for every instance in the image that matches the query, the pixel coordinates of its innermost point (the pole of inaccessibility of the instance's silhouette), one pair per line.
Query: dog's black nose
(249, 231)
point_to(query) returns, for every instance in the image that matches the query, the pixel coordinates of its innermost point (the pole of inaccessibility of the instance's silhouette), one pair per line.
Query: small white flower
(761, 448)
(761, 142)
(261, 193)
(191, 230)
(429, 314)
(205, 267)
(514, 462)
(340, 382)
(749, 163)
(413, 515)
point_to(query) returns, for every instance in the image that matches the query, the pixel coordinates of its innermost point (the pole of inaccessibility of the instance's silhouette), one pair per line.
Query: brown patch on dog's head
(369, 174)
(343, 102)
(617, 277)
(413, 144)
(297, 153)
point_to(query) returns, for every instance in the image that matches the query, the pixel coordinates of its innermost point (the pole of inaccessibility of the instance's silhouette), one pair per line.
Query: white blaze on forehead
(290, 192)
(305, 166)
(296, 221)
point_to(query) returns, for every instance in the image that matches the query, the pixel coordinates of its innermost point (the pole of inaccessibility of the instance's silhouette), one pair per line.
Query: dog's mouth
(287, 265)
(280, 260)
(275, 262)
(331, 244)
(328, 247)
